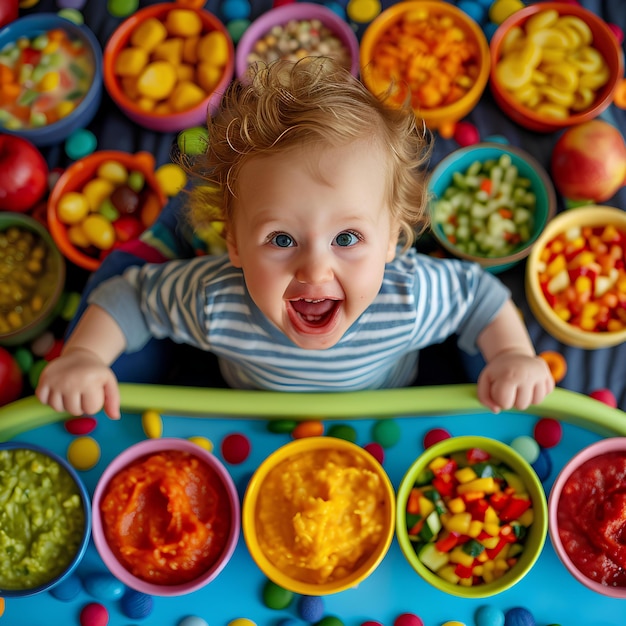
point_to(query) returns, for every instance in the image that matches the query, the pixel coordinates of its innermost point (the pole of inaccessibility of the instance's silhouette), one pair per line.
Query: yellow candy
(152, 424)
(72, 207)
(171, 178)
(241, 621)
(209, 76)
(149, 34)
(183, 23)
(501, 9)
(213, 48)
(157, 80)
(185, 96)
(169, 50)
(203, 442)
(83, 453)
(77, 236)
(363, 11)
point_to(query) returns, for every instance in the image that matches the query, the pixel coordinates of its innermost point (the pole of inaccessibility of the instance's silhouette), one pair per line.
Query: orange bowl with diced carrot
(432, 52)
(471, 516)
(167, 66)
(576, 277)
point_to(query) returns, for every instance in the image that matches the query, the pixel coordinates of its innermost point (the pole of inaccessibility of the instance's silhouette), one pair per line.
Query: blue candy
(519, 616)
(67, 589)
(311, 608)
(103, 586)
(489, 616)
(136, 605)
(475, 10)
(235, 10)
(543, 465)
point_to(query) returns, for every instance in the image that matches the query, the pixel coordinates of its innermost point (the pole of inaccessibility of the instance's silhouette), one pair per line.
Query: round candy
(489, 616)
(343, 431)
(330, 620)
(618, 32)
(193, 141)
(83, 453)
(275, 597)
(80, 143)
(94, 614)
(67, 589)
(336, 8)
(376, 450)
(557, 364)
(72, 15)
(386, 432)
(466, 134)
(519, 616)
(103, 586)
(241, 621)
(192, 620)
(42, 344)
(363, 11)
(24, 358)
(476, 10)
(152, 424)
(501, 9)
(136, 605)
(308, 428)
(548, 432)
(371, 623)
(604, 395)
(71, 4)
(80, 425)
(203, 442)
(236, 29)
(281, 426)
(235, 10)
(311, 608)
(527, 447)
(453, 623)
(435, 435)
(122, 8)
(171, 178)
(543, 465)
(235, 448)
(408, 619)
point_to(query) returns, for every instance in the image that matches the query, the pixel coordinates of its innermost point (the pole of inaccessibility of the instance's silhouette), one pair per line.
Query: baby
(321, 189)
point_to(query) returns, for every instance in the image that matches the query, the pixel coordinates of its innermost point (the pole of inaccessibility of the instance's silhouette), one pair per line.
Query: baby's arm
(81, 381)
(514, 375)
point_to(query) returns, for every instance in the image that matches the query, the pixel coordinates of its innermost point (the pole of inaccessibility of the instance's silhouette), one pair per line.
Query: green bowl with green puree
(45, 519)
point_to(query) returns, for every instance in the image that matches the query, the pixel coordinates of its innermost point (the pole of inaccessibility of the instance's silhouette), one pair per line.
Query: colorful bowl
(50, 282)
(564, 540)
(31, 26)
(536, 534)
(308, 460)
(458, 162)
(604, 41)
(172, 121)
(227, 499)
(570, 222)
(441, 117)
(81, 172)
(296, 11)
(71, 522)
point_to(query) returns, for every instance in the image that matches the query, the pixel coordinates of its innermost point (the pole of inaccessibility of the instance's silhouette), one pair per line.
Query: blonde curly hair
(287, 105)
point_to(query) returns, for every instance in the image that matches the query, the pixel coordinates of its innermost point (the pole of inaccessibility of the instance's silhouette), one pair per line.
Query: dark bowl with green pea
(489, 203)
(32, 278)
(45, 519)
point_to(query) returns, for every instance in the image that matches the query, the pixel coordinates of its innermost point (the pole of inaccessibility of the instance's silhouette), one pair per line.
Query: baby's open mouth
(315, 312)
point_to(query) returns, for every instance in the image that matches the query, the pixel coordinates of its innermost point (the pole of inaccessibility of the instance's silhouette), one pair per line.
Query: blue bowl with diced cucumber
(489, 204)
(471, 516)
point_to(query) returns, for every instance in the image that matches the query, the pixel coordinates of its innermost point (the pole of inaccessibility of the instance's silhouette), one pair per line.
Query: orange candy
(310, 428)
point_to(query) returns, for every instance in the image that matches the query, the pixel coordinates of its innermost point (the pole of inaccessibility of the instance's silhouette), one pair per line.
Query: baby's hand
(515, 380)
(79, 382)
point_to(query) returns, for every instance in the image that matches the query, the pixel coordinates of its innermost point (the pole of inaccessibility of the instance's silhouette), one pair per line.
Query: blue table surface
(551, 594)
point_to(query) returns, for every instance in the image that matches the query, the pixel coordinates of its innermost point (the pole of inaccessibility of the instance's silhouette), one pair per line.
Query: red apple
(589, 162)
(11, 380)
(8, 11)
(23, 174)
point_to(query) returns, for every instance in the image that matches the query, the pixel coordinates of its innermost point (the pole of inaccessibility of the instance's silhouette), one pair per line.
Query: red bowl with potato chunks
(576, 277)
(471, 516)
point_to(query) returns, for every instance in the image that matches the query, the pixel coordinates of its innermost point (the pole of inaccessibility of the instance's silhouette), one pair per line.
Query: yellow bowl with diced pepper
(471, 516)
(489, 204)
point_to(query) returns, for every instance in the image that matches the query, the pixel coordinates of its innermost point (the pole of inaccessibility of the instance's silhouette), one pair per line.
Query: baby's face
(312, 233)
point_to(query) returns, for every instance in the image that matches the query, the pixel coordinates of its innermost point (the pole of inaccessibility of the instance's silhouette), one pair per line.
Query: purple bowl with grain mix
(293, 31)
(489, 204)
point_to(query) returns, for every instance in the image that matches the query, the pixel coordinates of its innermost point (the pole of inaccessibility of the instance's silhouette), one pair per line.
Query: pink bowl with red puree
(166, 517)
(587, 516)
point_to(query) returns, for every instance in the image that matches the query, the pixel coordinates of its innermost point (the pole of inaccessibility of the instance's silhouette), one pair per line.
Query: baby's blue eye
(346, 239)
(282, 240)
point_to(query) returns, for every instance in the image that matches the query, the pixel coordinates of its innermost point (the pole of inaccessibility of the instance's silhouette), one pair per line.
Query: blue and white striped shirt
(204, 302)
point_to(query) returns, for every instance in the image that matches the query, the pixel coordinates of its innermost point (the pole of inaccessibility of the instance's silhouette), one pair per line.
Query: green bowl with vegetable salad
(45, 519)
(489, 204)
(471, 516)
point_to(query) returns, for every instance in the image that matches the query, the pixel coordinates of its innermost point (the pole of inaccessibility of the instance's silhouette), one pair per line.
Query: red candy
(435, 436)
(408, 619)
(376, 450)
(466, 134)
(80, 425)
(604, 395)
(235, 448)
(94, 614)
(548, 432)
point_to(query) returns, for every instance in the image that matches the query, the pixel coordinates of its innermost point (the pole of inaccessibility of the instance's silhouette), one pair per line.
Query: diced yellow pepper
(459, 556)
(486, 485)
(491, 517)
(490, 542)
(438, 463)
(465, 474)
(527, 517)
(456, 505)
(458, 523)
(557, 265)
(426, 506)
(476, 527)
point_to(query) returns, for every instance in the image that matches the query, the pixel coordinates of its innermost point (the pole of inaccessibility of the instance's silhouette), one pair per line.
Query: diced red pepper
(413, 504)
(514, 508)
(447, 542)
(492, 553)
(463, 571)
(444, 484)
(477, 508)
(499, 500)
(448, 468)
(476, 455)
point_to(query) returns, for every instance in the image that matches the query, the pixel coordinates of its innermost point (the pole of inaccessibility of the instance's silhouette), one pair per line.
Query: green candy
(275, 597)
(193, 141)
(281, 426)
(342, 431)
(386, 432)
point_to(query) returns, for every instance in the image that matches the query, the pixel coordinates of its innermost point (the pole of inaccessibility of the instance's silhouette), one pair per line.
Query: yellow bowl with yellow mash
(318, 515)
